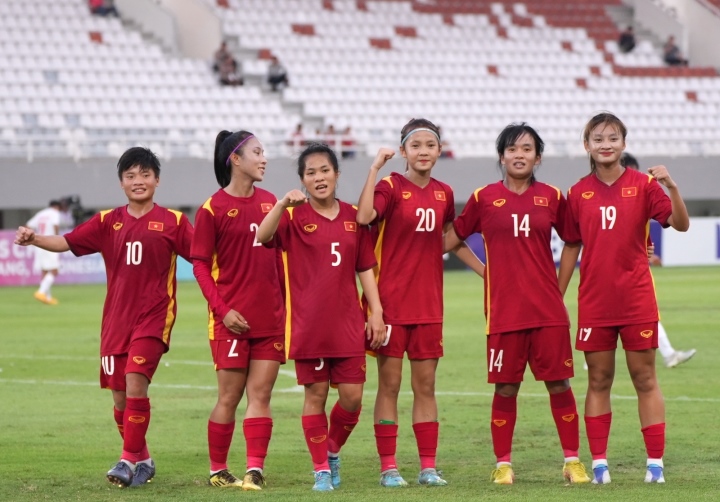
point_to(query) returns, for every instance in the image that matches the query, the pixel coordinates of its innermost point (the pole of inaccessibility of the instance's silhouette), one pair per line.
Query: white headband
(418, 130)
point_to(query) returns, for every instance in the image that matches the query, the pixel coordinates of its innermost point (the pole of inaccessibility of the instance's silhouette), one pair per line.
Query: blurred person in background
(46, 222)
(626, 42)
(277, 75)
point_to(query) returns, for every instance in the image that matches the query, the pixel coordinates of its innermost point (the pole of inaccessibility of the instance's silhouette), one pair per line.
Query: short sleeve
(383, 199)
(86, 238)
(566, 228)
(470, 220)
(282, 234)
(203, 240)
(659, 205)
(450, 207)
(183, 243)
(365, 256)
(570, 221)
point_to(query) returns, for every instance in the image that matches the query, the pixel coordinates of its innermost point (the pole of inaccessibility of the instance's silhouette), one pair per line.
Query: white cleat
(678, 357)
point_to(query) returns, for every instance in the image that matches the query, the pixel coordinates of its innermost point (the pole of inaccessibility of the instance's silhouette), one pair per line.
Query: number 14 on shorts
(495, 361)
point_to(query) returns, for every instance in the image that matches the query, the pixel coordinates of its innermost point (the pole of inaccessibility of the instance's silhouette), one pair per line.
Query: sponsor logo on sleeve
(629, 192)
(588, 195)
(440, 195)
(232, 213)
(139, 359)
(156, 225)
(310, 228)
(499, 203)
(540, 201)
(406, 195)
(350, 226)
(266, 207)
(117, 226)
(647, 333)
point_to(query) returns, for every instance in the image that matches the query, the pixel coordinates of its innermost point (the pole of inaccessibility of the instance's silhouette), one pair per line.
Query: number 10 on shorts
(495, 361)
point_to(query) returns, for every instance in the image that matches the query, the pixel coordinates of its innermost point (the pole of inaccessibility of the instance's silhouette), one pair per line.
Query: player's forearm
(466, 255)
(201, 270)
(370, 289)
(269, 224)
(366, 212)
(679, 218)
(54, 243)
(568, 260)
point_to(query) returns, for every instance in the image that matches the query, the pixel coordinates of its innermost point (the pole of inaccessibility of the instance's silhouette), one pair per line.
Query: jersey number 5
(134, 253)
(336, 253)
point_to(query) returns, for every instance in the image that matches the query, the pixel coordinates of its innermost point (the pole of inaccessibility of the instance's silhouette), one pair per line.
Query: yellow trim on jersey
(650, 177)
(290, 211)
(170, 316)
(389, 180)
(177, 214)
(288, 304)
(214, 273)
(477, 191)
(378, 250)
(559, 192)
(208, 206)
(103, 214)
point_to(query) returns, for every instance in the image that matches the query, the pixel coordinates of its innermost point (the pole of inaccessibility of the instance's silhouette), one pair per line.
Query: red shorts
(333, 369)
(237, 352)
(547, 349)
(420, 341)
(142, 357)
(633, 336)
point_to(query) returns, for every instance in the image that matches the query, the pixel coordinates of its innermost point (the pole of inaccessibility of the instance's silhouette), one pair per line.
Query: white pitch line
(299, 388)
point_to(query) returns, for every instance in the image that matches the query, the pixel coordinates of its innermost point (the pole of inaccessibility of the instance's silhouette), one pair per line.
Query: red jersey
(233, 269)
(409, 248)
(321, 258)
(521, 286)
(613, 221)
(139, 256)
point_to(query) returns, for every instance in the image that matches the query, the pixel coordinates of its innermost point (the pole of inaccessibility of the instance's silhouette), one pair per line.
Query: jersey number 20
(427, 219)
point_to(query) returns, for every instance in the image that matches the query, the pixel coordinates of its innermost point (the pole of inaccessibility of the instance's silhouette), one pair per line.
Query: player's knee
(557, 386)
(424, 387)
(644, 381)
(600, 381)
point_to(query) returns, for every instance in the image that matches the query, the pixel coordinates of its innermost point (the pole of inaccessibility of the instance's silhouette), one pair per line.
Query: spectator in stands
(348, 144)
(626, 42)
(220, 55)
(277, 75)
(297, 139)
(330, 137)
(672, 54)
(229, 74)
(103, 8)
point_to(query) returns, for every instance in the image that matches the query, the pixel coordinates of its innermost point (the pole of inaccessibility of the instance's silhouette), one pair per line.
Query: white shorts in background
(45, 260)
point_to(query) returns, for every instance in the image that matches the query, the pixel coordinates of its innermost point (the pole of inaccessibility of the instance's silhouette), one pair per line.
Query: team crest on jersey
(569, 418)
(350, 226)
(588, 195)
(568, 363)
(540, 201)
(499, 203)
(406, 195)
(156, 225)
(117, 226)
(318, 439)
(232, 213)
(439, 195)
(647, 333)
(138, 360)
(629, 192)
(278, 346)
(310, 228)
(499, 423)
(266, 207)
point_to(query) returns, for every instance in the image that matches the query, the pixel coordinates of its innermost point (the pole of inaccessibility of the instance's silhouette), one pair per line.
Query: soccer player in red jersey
(139, 243)
(323, 248)
(411, 212)
(246, 324)
(611, 209)
(526, 319)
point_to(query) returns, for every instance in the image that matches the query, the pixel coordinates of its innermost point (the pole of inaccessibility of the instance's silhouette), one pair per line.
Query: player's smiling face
(139, 184)
(520, 158)
(605, 144)
(421, 150)
(252, 162)
(319, 178)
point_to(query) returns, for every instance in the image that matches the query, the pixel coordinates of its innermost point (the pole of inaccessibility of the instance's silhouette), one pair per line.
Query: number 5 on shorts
(495, 362)
(584, 334)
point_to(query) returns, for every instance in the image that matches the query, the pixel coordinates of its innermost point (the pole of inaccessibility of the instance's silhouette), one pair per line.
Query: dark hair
(138, 156)
(225, 143)
(608, 119)
(417, 124)
(312, 149)
(509, 137)
(628, 160)
(54, 203)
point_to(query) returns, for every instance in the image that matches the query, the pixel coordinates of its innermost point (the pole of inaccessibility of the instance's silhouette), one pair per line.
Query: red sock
(598, 431)
(119, 420)
(386, 441)
(426, 435)
(219, 439)
(342, 423)
(136, 420)
(316, 433)
(654, 436)
(502, 425)
(564, 411)
(257, 438)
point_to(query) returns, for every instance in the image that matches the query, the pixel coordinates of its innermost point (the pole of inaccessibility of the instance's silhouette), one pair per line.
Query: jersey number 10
(134, 253)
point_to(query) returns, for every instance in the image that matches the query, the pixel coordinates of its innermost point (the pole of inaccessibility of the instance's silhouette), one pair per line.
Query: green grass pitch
(58, 437)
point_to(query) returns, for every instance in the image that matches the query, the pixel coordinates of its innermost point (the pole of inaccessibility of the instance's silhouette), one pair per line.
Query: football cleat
(225, 479)
(334, 463)
(121, 475)
(601, 475)
(503, 475)
(253, 480)
(574, 472)
(678, 357)
(654, 474)
(431, 477)
(144, 473)
(392, 479)
(323, 482)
